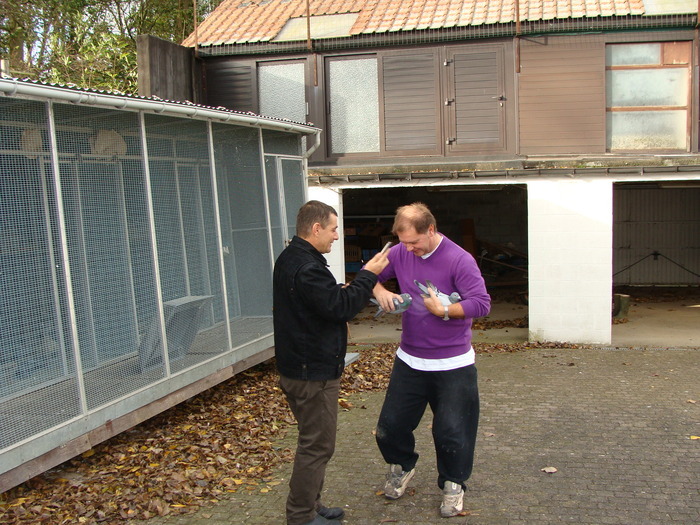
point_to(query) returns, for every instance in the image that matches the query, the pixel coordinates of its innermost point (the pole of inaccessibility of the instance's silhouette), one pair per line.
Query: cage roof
(80, 95)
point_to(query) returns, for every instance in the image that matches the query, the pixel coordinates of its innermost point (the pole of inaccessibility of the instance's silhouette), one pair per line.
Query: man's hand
(436, 307)
(385, 298)
(377, 263)
(433, 303)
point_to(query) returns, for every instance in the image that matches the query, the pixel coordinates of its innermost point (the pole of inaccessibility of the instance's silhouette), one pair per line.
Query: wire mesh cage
(133, 247)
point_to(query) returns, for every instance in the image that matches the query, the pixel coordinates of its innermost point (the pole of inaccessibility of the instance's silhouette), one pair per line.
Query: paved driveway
(616, 424)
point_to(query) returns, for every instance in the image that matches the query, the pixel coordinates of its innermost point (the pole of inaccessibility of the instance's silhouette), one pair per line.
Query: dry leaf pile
(216, 442)
(194, 453)
(485, 323)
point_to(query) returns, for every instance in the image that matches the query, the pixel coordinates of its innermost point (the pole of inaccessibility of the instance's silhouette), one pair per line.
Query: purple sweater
(451, 269)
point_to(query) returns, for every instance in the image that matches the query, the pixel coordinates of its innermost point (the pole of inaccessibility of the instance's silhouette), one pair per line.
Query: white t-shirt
(436, 365)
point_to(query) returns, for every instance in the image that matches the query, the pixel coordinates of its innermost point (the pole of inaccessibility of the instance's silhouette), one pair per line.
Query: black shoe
(320, 520)
(331, 513)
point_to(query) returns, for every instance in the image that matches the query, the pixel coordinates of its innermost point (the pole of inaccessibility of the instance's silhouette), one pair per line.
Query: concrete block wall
(570, 260)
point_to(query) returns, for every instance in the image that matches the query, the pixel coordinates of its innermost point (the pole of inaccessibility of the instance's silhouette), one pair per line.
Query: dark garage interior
(490, 222)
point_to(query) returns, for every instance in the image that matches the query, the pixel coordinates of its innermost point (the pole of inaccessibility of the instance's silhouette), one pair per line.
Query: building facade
(567, 131)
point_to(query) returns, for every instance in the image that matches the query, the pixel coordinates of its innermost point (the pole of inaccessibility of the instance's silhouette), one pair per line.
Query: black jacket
(311, 311)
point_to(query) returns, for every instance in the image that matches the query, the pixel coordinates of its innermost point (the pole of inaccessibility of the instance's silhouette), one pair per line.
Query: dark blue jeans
(453, 397)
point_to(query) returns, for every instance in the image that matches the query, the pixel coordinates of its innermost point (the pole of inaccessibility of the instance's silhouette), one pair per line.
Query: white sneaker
(397, 481)
(452, 499)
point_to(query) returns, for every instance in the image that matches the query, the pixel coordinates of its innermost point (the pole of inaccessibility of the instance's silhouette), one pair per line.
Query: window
(354, 105)
(281, 90)
(647, 94)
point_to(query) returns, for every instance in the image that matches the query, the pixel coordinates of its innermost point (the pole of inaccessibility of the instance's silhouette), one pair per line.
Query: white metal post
(63, 242)
(154, 245)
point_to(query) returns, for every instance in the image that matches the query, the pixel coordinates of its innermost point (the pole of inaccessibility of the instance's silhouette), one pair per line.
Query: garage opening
(489, 221)
(656, 263)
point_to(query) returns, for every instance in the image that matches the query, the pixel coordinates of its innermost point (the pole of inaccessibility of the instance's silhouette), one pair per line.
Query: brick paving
(616, 424)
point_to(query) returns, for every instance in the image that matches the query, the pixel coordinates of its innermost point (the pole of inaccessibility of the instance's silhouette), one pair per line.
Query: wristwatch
(446, 317)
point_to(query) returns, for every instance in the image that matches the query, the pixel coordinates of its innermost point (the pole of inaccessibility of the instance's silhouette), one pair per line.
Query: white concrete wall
(570, 260)
(336, 259)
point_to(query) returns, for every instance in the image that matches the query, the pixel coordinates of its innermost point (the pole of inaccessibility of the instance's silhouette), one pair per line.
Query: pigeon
(445, 300)
(399, 307)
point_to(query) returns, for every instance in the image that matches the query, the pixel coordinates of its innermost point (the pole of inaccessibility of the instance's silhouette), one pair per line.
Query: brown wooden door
(475, 102)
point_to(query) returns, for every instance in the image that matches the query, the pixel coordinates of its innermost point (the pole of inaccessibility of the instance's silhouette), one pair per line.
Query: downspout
(196, 27)
(317, 143)
(695, 57)
(310, 45)
(308, 25)
(193, 64)
(517, 35)
(516, 79)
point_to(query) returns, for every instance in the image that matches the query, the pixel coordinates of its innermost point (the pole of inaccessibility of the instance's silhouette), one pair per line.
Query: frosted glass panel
(294, 191)
(647, 87)
(633, 54)
(646, 130)
(354, 115)
(275, 203)
(281, 89)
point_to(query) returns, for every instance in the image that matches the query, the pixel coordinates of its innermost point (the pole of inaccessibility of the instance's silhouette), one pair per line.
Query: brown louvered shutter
(411, 102)
(231, 84)
(562, 95)
(476, 101)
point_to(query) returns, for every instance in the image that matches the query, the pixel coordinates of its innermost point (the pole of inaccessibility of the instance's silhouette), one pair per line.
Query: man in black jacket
(311, 311)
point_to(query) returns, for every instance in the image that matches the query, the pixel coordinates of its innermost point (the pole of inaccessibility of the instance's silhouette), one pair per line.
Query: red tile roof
(245, 21)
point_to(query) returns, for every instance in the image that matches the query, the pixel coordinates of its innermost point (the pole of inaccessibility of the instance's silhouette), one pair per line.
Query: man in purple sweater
(434, 364)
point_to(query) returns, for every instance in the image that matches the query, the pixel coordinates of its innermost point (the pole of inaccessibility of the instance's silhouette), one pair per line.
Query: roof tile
(240, 21)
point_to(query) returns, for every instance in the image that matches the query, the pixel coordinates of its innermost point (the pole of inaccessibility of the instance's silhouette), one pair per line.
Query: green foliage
(106, 63)
(88, 43)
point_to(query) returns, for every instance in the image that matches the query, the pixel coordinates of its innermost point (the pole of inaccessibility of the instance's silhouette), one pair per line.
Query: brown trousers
(315, 407)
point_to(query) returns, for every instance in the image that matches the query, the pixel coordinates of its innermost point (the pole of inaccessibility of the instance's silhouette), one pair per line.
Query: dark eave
(633, 168)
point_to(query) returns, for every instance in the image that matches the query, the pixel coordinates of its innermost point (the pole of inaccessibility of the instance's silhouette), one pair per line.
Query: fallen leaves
(217, 442)
(484, 323)
(193, 454)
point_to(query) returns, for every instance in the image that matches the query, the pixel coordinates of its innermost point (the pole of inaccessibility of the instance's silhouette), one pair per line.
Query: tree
(88, 43)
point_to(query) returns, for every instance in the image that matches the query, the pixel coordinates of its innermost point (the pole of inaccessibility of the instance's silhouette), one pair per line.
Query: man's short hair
(416, 215)
(311, 213)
